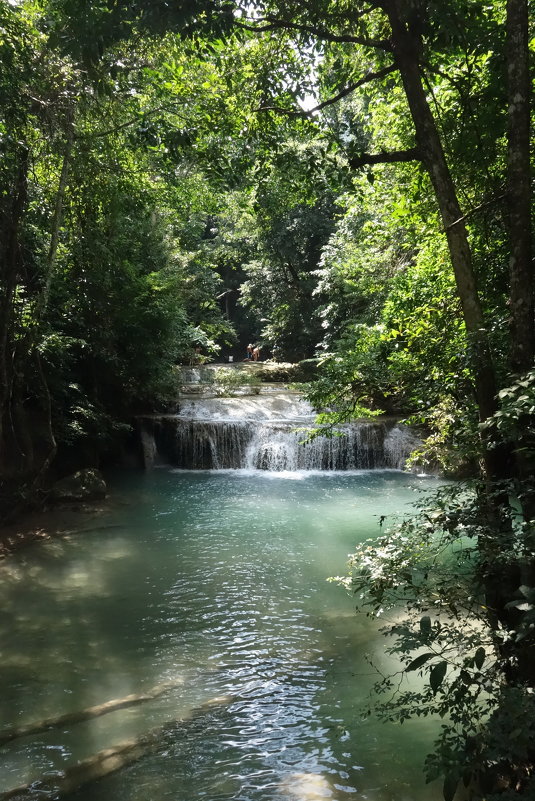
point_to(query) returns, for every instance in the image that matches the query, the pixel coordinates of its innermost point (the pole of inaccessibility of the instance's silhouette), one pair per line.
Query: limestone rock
(84, 485)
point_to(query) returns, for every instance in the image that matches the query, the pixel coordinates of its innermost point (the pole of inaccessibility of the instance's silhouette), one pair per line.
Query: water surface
(214, 582)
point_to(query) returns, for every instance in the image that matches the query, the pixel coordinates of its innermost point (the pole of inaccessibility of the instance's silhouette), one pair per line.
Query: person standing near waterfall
(249, 352)
(256, 353)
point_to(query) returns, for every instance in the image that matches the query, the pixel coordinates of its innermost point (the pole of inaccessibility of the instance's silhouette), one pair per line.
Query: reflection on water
(215, 583)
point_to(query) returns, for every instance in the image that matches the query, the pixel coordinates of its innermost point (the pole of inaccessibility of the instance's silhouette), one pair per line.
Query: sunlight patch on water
(306, 787)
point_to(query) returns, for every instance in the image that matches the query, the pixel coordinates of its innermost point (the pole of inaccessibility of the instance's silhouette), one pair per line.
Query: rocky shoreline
(57, 521)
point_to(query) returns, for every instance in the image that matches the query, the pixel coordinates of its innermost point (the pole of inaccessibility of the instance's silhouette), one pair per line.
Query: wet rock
(84, 485)
(149, 451)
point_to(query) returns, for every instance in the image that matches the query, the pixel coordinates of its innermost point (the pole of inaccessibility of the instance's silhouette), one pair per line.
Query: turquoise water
(214, 583)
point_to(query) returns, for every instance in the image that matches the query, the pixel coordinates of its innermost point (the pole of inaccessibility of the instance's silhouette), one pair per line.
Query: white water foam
(250, 434)
(279, 406)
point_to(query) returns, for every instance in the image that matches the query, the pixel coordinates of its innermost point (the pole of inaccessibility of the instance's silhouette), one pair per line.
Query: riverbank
(50, 522)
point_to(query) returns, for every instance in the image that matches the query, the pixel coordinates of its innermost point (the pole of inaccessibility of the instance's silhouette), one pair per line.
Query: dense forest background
(348, 181)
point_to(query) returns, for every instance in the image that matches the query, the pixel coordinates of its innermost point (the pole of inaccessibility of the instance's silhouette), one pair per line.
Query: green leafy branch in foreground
(515, 420)
(427, 575)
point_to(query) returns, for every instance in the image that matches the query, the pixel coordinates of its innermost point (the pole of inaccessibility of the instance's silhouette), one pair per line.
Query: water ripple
(215, 584)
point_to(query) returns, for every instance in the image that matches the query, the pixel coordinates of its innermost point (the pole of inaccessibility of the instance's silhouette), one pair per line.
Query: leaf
(465, 677)
(467, 776)
(450, 785)
(437, 675)
(479, 658)
(419, 661)
(425, 625)
(523, 606)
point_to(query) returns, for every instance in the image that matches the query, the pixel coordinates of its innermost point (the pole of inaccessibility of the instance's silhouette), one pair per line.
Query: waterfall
(269, 429)
(399, 444)
(203, 444)
(270, 433)
(359, 447)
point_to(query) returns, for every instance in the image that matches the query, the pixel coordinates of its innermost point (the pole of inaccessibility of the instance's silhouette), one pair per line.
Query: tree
(519, 186)
(93, 145)
(405, 44)
(294, 213)
(377, 42)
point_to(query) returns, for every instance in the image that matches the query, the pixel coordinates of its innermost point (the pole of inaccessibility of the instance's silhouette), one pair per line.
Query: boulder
(84, 485)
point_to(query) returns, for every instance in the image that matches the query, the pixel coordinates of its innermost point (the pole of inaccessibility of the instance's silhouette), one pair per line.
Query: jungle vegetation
(348, 181)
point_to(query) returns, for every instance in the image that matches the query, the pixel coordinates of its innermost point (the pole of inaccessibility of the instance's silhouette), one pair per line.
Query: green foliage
(230, 381)
(294, 216)
(351, 382)
(429, 574)
(515, 420)
(386, 263)
(163, 196)
(453, 444)
(130, 286)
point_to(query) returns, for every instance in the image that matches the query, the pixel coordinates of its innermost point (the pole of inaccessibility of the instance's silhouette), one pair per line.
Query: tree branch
(150, 113)
(365, 11)
(371, 76)
(476, 209)
(274, 24)
(412, 154)
(444, 75)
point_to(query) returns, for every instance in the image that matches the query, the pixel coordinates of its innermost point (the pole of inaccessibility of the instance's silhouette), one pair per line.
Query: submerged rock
(84, 485)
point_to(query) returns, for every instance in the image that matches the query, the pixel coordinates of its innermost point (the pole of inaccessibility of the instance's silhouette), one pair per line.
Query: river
(213, 585)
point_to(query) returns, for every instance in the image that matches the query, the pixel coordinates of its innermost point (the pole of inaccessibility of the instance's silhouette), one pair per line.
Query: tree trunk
(521, 300)
(498, 587)
(42, 304)
(56, 221)
(522, 349)
(9, 268)
(406, 48)
(519, 187)
(50, 435)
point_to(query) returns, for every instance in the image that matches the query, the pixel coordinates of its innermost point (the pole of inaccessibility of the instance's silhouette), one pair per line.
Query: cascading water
(357, 447)
(271, 433)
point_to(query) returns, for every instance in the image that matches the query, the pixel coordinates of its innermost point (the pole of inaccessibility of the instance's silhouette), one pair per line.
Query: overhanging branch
(396, 156)
(171, 107)
(356, 15)
(371, 76)
(274, 24)
(468, 214)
